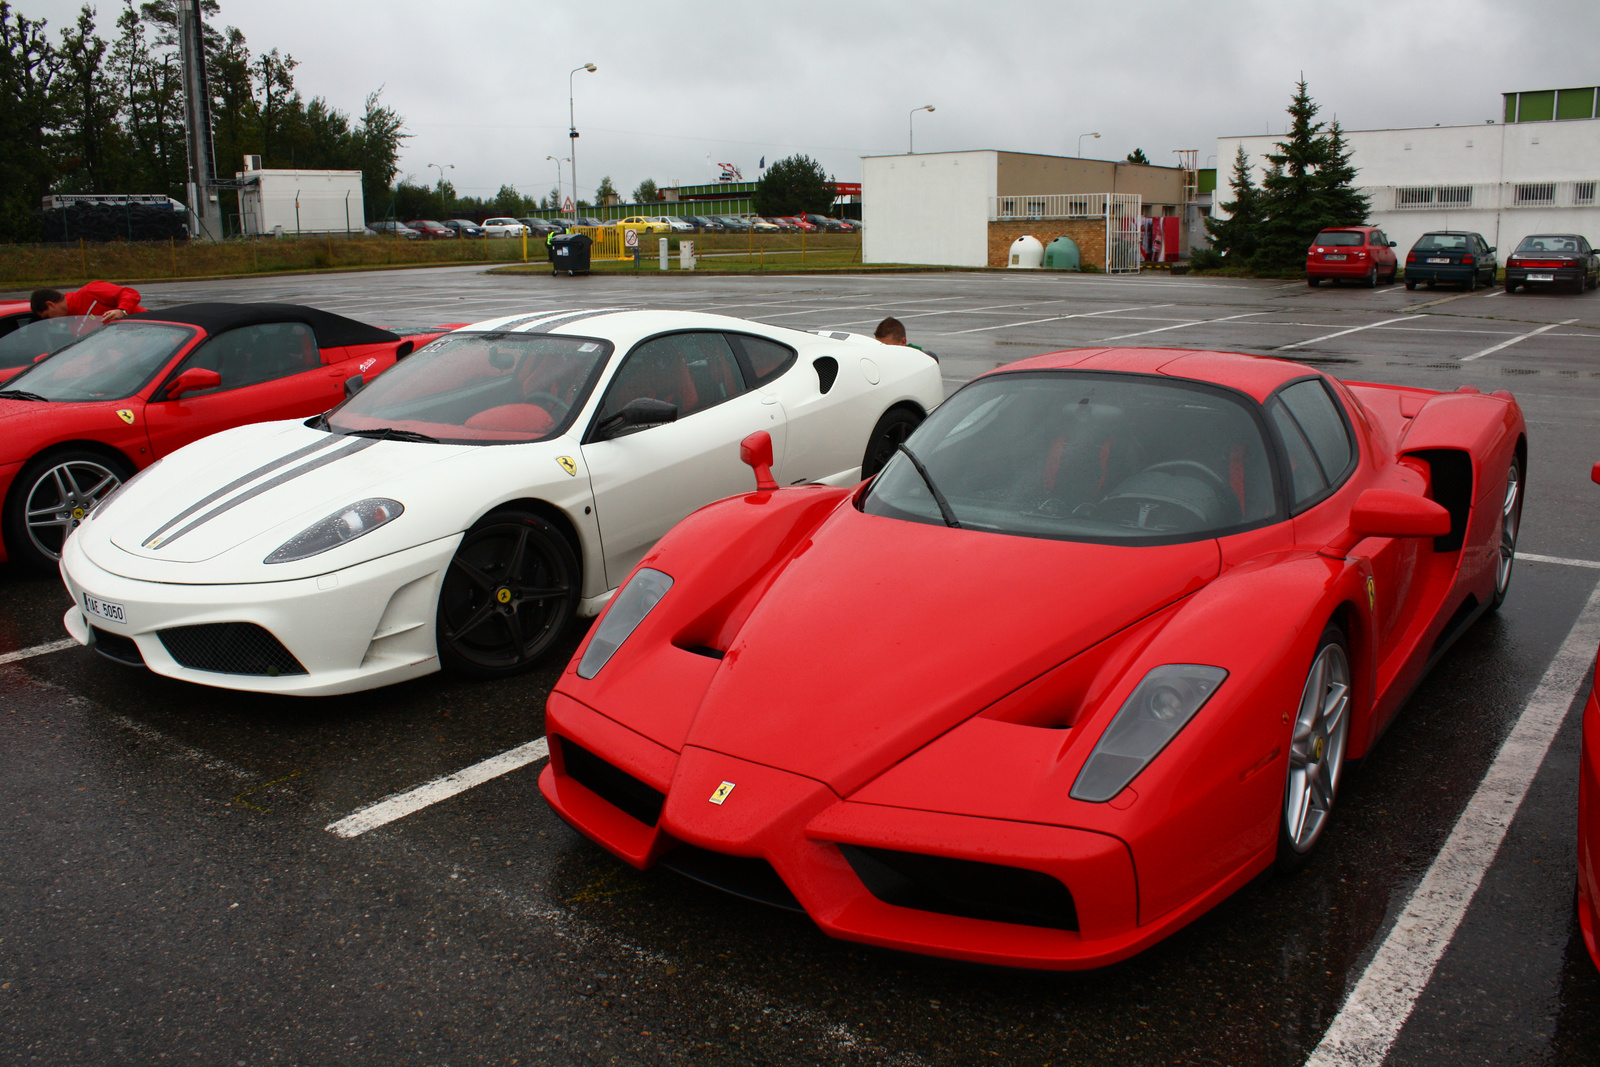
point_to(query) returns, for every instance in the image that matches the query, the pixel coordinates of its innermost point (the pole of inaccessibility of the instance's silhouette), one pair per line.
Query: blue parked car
(1457, 256)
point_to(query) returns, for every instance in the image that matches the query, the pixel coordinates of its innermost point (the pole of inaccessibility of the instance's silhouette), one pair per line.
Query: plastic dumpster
(570, 252)
(1026, 253)
(1061, 254)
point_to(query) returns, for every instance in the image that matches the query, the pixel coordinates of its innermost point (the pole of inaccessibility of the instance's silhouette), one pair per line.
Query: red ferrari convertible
(1087, 655)
(1589, 814)
(76, 425)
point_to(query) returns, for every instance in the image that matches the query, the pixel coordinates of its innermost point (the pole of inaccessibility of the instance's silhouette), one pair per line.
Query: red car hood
(880, 635)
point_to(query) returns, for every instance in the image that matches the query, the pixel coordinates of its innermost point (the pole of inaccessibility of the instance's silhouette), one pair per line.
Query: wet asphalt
(170, 892)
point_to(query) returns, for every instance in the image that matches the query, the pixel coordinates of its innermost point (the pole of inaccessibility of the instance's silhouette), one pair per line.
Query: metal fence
(1483, 196)
(1121, 212)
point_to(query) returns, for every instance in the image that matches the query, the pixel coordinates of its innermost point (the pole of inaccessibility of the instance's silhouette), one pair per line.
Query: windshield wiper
(938, 497)
(390, 433)
(22, 394)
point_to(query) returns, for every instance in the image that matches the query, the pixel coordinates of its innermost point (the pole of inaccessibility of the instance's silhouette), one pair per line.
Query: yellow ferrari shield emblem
(503, 595)
(567, 465)
(125, 415)
(720, 794)
(1372, 593)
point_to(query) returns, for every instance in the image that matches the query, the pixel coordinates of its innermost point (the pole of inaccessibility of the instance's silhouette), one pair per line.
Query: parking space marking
(1492, 349)
(1371, 1018)
(1054, 318)
(38, 650)
(1341, 333)
(1179, 326)
(1592, 564)
(412, 800)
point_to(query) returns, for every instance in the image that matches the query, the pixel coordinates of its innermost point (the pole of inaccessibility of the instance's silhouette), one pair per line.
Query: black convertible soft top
(332, 331)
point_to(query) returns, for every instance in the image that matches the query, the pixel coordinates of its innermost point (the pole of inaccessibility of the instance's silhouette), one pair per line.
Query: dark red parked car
(1352, 253)
(430, 230)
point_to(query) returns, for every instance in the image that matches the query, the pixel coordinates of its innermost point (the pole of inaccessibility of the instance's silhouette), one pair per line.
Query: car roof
(332, 331)
(1256, 376)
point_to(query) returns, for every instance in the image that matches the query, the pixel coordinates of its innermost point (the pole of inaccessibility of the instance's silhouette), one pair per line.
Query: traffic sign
(568, 205)
(630, 238)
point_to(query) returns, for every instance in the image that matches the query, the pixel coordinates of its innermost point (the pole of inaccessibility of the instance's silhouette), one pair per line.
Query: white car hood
(212, 512)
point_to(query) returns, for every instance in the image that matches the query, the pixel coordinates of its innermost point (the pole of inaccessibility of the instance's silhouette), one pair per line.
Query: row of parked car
(1364, 253)
(428, 229)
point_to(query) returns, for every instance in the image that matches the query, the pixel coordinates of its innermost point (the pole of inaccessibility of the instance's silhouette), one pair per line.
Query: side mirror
(192, 379)
(1491, 248)
(643, 411)
(353, 384)
(1394, 244)
(1390, 513)
(755, 452)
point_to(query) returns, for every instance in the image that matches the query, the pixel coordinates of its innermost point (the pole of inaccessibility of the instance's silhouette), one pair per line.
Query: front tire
(894, 427)
(50, 497)
(509, 593)
(1510, 524)
(1319, 731)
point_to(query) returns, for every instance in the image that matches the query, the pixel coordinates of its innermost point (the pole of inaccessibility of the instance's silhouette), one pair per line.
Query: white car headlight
(633, 602)
(1163, 704)
(344, 525)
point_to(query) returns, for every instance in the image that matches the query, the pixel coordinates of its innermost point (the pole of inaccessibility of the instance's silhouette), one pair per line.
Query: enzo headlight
(1167, 699)
(634, 601)
(344, 525)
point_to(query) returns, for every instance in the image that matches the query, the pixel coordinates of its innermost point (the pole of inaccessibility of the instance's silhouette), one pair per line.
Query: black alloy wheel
(51, 497)
(893, 428)
(510, 591)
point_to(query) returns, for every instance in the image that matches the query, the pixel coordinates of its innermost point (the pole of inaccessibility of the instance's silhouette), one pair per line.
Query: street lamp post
(1081, 136)
(557, 162)
(572, 133)
(441, 170)
(911, 144)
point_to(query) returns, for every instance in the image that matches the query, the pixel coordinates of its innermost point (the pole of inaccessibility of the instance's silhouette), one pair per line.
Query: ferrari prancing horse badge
(720, 794)
(567, 465)
(125, 415)
(1372, 593)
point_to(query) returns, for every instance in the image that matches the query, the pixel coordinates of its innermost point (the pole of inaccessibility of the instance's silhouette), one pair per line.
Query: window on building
(1535, 194)
(1583, 192)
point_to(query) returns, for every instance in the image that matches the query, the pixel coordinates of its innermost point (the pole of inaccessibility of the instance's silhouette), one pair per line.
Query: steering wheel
(1191, 466)
(553, 404)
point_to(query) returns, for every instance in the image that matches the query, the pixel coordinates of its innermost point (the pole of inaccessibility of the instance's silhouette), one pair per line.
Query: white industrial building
(299, 201)
(1534, 173)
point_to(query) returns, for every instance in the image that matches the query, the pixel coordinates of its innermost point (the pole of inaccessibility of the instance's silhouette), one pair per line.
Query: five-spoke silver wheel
(1510, 521)
(52, 497)
(1316, 748)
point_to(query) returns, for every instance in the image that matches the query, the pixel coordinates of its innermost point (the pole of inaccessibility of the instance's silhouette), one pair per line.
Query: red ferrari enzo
(1589, 814)
(1087, 655)
(76, 425)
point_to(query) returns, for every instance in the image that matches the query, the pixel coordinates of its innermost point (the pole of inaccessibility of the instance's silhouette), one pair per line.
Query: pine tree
(1291, 194)
(1342, 204)
(1235, 236)
(793, 186)
(1138, 156)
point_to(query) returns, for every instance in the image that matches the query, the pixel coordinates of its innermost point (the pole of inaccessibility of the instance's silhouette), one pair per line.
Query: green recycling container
(1061, 254)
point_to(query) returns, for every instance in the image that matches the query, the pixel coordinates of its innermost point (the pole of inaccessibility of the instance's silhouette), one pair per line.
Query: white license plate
(1335, 257)
(1541, 277)
(104, 609)
(1438, 261)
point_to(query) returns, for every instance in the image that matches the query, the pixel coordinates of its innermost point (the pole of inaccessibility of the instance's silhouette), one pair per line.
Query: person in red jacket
(110, 302)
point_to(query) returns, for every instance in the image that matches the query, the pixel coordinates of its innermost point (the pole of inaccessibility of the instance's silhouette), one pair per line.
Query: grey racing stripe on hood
(569, 318)
(265, 468)
(154, 540)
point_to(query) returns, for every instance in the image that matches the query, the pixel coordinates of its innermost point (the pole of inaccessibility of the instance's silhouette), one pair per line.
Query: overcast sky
(483, 83)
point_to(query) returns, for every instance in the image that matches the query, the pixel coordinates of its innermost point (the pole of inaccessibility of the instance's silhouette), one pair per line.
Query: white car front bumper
(369, 625)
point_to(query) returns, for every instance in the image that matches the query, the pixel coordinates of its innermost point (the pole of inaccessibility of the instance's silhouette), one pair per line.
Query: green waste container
(1061, 254)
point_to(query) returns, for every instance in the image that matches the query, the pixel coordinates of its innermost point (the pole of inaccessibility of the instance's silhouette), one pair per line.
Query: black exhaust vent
(117, 647)
(966, 888)
(230, 648)
(612, 784)
(743, 876)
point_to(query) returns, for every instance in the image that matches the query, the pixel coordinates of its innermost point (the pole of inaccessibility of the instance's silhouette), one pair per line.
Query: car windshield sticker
(567, 465)
(588, 346)
(272, 483)
(721, 792)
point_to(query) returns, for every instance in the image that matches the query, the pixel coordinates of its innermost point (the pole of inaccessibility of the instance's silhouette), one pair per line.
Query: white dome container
(1026, 253)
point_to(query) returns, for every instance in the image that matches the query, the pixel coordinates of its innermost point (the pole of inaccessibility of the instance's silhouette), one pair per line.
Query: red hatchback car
(77, 424)
(1353, 253)
(1589, 815)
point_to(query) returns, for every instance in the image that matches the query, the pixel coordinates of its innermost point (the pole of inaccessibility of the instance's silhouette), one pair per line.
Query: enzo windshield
(480, 388)
(1085, 457)
(109, 364)
(22, 346)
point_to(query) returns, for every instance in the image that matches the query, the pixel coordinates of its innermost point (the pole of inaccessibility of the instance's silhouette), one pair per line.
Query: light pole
(442, 169)
(911, 144)
(1081, 136)
(572, 133)
(557, 162)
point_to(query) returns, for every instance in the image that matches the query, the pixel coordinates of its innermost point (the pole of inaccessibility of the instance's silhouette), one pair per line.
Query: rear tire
(892, 428)
(1410, 285)
(1471, 284)
(1372, 277)
(1318, 733)
(1313, 282)
(49, 499)
(1511, 287)
(1510, 524)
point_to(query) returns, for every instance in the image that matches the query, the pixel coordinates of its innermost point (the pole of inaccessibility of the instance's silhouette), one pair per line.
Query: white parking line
(1341, 333)
(1366, 1027)
(1520, 337)
(1052, 318)
(402, 804)
(1179, 326)
(1563, 561)
(38, 650)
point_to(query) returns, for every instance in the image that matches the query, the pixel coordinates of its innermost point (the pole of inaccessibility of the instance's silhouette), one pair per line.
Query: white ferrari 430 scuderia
(467, 504)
